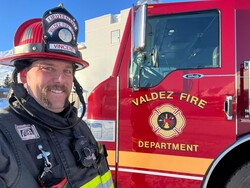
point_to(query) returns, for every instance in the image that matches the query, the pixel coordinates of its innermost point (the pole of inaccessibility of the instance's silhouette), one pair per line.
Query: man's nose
(59, 76)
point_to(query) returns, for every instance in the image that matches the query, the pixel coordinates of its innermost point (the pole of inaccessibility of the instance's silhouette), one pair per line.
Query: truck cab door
(170, 101)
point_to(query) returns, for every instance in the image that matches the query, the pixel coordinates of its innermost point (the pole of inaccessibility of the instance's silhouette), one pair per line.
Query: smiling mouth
(57, 91)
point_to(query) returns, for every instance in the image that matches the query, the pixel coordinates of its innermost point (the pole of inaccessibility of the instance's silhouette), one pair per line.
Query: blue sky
(14, 13)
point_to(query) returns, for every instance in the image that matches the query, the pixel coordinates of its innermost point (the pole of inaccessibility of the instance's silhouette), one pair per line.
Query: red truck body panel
(142, 154)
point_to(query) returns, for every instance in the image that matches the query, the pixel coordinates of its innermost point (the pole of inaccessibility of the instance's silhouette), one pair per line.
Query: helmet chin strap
(14, 75)
(79, 92)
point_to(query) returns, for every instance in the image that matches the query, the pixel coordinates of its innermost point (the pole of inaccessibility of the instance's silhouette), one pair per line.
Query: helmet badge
(60, 31)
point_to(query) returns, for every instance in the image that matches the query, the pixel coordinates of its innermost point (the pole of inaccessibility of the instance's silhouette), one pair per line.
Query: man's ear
(22, 75)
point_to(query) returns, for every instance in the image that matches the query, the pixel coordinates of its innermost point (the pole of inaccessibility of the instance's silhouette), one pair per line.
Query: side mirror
(139, 31)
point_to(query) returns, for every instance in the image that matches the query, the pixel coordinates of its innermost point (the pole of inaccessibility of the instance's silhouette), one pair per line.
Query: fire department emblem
(167, 121)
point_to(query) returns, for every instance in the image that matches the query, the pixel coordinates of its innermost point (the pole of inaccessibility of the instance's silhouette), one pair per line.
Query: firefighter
(43, 143)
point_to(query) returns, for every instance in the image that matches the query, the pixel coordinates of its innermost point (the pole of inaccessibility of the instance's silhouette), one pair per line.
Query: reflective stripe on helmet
(104, 181)
(25, 48)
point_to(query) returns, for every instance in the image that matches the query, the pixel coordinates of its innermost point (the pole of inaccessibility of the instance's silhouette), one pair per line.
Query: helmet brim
(9, 60)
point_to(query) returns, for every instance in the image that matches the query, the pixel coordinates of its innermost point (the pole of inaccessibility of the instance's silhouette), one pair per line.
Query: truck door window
(179, 41)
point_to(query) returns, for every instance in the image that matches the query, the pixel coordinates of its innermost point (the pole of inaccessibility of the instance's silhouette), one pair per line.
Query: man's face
(49, 82)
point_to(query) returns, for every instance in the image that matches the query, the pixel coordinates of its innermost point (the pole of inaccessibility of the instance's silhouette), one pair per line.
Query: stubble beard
(46, 102)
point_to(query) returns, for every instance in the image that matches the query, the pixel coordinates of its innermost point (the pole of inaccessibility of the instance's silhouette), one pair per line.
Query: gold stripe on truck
(181, 164)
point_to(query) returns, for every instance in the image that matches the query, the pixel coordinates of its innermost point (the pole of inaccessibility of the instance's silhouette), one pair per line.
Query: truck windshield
(179, 41)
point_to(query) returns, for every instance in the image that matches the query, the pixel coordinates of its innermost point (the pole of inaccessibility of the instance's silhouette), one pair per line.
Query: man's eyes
(68, 71)
(53, 69)
(46, 68)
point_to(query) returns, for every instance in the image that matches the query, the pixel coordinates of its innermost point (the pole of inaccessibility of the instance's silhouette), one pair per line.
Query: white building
(102, 40)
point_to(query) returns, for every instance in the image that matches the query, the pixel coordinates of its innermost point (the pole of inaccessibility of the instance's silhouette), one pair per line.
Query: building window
(115, 37)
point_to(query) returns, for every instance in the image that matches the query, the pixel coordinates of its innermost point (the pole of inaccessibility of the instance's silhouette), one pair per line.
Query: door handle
(228, 107)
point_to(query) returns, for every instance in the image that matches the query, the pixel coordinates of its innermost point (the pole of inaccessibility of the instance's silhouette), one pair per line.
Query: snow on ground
(5, 70)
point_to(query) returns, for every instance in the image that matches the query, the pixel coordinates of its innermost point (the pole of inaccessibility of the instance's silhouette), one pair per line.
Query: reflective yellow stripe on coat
(104, 181)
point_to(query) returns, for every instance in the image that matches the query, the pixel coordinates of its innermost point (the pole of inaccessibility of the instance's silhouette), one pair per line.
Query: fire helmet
(52, 37)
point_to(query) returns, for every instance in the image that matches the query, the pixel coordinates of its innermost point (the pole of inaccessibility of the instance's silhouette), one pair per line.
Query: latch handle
(228, 107)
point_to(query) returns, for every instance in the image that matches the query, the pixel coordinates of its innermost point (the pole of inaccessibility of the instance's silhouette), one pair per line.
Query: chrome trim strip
(155, 173)
(117, 119)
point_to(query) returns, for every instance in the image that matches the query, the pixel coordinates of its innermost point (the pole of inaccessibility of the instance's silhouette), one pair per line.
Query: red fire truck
(175, 111)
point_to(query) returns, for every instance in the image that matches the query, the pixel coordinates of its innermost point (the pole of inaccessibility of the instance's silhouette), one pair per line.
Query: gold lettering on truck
(168, 146)
(169, 95)
(162, 95)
